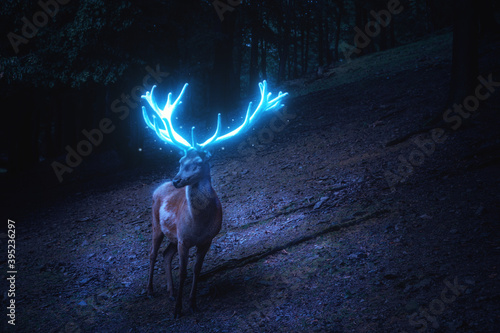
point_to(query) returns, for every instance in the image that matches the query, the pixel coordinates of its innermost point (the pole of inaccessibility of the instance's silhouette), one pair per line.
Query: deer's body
(173, 216)
(188, 212)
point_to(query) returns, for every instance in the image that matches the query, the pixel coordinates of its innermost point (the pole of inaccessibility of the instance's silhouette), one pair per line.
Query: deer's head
(194, 163)
(193, 168)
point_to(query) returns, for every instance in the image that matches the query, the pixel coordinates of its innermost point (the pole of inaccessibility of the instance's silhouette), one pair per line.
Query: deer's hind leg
(168, 254)
(183, 261)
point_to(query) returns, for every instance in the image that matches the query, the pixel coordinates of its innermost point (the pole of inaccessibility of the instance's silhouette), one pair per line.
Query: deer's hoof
(171, 295)
(194, 309)
(177, 313)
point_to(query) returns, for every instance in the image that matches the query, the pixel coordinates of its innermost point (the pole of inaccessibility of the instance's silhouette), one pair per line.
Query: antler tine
(193, 137)
(169, 135)
(265, 104)
(215, 136)
(240, 128)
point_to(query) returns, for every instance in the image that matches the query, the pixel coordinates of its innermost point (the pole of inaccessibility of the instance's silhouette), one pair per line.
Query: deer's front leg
(200, 256)
(183, 260)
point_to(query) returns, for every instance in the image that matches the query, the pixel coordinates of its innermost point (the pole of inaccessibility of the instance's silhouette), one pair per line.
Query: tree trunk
(254, 44)
(222, 91)
(328, 36)
(284, 47)
(23, 130)
(295, 55)
(340, 11)
(464, 66)
(488, 24)
(321, 38)
(392, 35)
(306, 57)
(358, 7)
(302, 47)
(239, 56)
(263, 59)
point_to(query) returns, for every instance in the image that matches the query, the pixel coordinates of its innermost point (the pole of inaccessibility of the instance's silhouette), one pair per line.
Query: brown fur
(188, 216)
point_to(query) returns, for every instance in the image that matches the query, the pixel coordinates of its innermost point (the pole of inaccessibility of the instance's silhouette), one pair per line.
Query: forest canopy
(66, 62)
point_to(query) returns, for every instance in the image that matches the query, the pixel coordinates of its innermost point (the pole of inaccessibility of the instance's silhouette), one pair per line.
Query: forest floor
(318, 234)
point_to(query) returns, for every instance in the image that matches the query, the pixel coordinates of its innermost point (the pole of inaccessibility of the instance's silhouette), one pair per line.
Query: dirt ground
(329, 224)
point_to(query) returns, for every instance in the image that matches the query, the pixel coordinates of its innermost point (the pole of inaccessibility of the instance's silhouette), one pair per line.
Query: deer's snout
(177, 182)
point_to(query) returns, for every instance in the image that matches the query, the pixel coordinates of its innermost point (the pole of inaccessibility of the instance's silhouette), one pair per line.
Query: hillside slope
(318, 235)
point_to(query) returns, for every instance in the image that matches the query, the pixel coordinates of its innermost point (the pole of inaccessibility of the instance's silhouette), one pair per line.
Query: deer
(187, 210)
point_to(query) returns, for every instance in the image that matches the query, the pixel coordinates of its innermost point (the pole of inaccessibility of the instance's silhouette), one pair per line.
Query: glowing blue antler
(265, 104)
(170, 136)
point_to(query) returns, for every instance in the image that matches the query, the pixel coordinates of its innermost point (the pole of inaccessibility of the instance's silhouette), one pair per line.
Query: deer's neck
(201, 197)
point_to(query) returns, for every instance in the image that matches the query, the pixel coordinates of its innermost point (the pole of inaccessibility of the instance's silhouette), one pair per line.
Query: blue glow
(171, 137)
